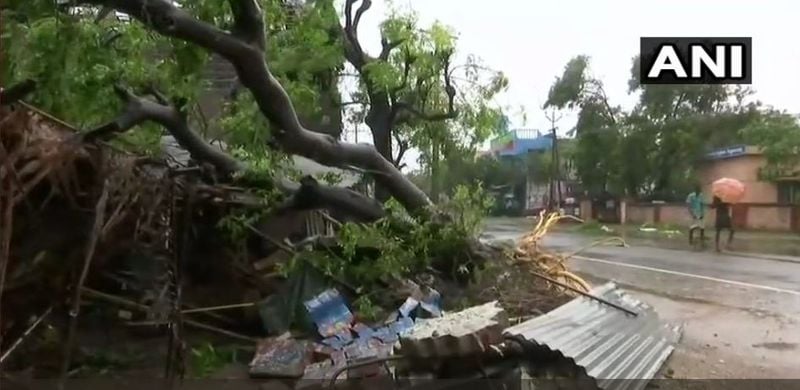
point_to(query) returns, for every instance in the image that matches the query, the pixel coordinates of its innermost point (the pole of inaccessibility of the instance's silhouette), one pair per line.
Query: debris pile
(97, 238)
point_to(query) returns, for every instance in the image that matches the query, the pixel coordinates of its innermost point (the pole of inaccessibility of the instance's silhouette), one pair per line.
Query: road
(741, 314)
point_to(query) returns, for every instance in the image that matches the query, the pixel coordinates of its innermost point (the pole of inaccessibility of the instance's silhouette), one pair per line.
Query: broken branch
(99, 218)
(144, 309)
(308, 195)
(138, 110)
(25, 335)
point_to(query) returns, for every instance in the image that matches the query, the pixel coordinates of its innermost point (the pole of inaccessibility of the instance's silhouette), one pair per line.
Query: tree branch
(138, 110)
(408, 60)
(249, 22)
(387, 47)
(451, 96)
(272, 99)
(402, 146)
(677, 105)
(308, 195)
(353, 51)
(604, 98)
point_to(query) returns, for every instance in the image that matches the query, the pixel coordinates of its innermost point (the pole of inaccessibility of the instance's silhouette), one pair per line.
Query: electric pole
(555, 182)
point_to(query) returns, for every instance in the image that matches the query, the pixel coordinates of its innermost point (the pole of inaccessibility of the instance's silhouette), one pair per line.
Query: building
(767, 204)
(520, 143)
(744, 163)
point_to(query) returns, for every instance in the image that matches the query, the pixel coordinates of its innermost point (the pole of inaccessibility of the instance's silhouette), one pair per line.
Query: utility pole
(555, 182)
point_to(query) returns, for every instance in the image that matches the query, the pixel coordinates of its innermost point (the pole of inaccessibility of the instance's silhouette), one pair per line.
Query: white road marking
(666, 271)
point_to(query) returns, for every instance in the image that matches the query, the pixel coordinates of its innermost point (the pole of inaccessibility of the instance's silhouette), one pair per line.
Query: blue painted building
(520, 142)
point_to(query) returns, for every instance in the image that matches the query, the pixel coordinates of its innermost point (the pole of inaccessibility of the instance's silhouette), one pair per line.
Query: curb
(748, 255)
(760, 256)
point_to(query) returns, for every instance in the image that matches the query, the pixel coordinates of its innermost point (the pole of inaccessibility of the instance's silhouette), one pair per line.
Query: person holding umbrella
(723, 221)
(726, 192)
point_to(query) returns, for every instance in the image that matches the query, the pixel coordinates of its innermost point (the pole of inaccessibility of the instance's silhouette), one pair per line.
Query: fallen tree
(243, 47)
(132, 211)
(307, 195)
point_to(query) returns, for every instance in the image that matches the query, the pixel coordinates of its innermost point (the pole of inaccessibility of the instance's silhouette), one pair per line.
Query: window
(789, 192)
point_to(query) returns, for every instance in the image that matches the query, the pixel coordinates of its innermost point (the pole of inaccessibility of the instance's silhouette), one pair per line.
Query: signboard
(733, 151)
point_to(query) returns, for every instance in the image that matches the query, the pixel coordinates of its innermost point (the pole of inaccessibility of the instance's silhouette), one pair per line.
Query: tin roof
(618, 350)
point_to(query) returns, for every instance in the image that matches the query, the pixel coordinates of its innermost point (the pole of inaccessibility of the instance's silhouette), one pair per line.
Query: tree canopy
(415, 83)
(650, 150)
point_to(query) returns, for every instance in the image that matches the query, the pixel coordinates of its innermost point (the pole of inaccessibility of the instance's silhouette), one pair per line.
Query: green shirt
(696, 206)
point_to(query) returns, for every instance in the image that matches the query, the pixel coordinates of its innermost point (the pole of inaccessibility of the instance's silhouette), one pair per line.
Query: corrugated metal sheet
(618, 350)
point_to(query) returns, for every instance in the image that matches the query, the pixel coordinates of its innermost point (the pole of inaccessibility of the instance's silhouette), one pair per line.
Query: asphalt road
(741, 314)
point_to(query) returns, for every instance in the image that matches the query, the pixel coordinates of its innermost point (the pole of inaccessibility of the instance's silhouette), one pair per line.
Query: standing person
(723, 220)
(697, 211)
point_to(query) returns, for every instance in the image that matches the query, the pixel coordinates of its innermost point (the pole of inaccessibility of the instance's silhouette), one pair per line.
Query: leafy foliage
(75, 60)
(417, 76)
(651, 150)
(207, 359)
(778, 135)
(397, 246)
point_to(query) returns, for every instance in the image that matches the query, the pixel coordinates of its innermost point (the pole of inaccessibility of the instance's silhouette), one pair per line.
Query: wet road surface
(741, 314)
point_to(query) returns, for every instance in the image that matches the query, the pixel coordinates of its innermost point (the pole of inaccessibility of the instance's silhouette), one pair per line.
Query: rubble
(153, 259)
(464, 333)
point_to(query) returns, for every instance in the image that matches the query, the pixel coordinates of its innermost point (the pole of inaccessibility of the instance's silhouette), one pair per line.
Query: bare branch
(353, 51)
(402, 146)
(604, 98)
(387, 47)
(365, 5)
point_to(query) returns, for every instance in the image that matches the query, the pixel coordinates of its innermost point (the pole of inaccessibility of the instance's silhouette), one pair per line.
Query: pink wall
(759, 216)
(744, 169)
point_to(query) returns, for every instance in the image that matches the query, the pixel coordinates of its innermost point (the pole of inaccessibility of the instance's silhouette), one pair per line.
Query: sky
(531, 42)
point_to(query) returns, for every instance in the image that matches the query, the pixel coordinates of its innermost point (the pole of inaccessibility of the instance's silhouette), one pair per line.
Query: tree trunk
(379, 123)
(383, 144)
(436, 182)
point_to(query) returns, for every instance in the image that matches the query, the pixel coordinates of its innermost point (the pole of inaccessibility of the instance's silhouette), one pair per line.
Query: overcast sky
(531, 41)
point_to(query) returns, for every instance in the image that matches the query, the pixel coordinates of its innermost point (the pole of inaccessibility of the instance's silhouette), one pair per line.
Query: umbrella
(728, 190)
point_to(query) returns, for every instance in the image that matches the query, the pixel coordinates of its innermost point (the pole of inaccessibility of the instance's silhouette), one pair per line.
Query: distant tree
(778, 135)
(650, 151)
(413, 84)
(598, 127)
